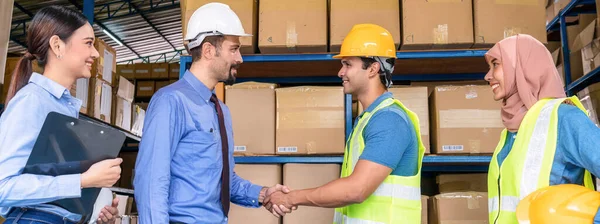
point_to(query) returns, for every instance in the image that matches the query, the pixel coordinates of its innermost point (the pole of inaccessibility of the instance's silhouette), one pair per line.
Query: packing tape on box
(472, 198)
(517, 2)
(291, 39)
(440, 34)
(511, 31)
(470, 118)
(252, 85)
(445, 1)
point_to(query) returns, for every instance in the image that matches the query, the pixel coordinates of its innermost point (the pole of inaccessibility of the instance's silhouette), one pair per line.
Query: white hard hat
(213, 19)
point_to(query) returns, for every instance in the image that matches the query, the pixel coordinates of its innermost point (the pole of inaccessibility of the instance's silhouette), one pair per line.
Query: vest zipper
(499, 198)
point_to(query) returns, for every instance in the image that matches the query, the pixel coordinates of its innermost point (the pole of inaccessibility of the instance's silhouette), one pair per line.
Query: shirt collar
(49, 85)
(204, 92)
(377, 101)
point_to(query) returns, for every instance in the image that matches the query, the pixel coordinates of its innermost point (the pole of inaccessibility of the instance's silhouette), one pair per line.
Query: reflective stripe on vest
(397, 198)
(528, 166)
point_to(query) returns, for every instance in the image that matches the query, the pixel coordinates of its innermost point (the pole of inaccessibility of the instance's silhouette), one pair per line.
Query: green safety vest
(529, 163)
(398, 198)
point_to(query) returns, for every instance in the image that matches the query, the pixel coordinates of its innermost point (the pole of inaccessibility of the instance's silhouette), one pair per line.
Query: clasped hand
(277, 201)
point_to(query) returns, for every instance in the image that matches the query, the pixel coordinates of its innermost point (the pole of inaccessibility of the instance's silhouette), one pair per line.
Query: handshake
(276, 200)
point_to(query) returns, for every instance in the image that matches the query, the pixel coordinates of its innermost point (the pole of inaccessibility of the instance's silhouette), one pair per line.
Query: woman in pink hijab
(548, 140)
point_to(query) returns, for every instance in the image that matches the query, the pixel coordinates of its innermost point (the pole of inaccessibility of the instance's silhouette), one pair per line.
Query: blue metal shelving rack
(431, 163)
(574, 8)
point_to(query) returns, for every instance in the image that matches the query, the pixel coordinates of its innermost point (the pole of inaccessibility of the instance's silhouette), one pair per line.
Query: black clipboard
(67, 145)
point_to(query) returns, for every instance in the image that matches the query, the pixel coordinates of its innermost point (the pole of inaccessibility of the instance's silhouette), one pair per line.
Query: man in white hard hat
(184, 169)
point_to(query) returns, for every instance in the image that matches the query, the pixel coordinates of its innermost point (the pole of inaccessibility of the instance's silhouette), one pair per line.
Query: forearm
(338, 193)
(245, 193)
(28, 189)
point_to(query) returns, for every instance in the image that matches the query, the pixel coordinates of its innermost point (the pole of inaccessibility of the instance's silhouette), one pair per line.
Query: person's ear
(57, 46)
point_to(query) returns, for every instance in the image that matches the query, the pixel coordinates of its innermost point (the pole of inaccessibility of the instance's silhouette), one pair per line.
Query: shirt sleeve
(162, 132)
(580, 140)
(243, 192)
(20, 126)
(387, 136)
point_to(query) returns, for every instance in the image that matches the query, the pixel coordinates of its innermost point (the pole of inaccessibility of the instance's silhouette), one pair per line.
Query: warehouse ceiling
(149, 30)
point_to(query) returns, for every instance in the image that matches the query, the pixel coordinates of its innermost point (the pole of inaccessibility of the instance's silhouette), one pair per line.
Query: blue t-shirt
(577, 148)
(390, 139)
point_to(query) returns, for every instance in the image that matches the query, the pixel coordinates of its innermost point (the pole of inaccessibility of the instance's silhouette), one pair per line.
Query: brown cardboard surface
(220, 91)
(101, 62)
(127, 71)
(460, 207)
(462, 182)
(174, 71)
(245, 9)
(127, 169)
(550, 15)
(465, 119)
(122, 113)
(496, 20)
(590, 98)
(100, 100)
(416, 100)
(431, 85)
(424, 209)
(343, 15)
(161, 84)
(288, 26)
(437, 24)
(302, 176)
(310, 120)
(145, 88)
(160, 70)
(264, 175)
(254, 128)
(126, 89)
(143, 71)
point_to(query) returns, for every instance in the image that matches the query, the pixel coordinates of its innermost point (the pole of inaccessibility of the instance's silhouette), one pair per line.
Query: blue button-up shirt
(179, 163)
(20, 125)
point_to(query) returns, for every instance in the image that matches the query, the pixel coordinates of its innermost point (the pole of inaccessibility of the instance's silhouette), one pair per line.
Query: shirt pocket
(199, 149)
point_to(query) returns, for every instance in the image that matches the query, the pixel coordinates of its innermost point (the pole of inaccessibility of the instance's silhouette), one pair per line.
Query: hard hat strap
(198, 41)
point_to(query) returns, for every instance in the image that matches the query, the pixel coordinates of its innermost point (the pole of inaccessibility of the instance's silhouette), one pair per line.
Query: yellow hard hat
(565, 203)
(368, 40)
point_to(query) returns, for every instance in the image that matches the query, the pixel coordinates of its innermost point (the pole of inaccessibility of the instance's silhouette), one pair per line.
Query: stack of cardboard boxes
(286, 26)
(101, 83)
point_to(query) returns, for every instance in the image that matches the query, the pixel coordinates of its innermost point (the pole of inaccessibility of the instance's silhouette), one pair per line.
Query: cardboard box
(220, 91)
(264, 175)
(462, 182)
(576, 57)
(11, 64)
(588, 41)
(172, 81)
(416, 100)
(463, 207)
(385, 13)
(123, 104)
(246, 10)
(100, 100)
(288, 26)
(145, 89)
(143, 71)
(105, 65)
(590, 98)
(424, 209)
(254, 128)
(496, 20)
(465, 120)
(160, 70)
(310, 120)
(559, 5)
(437, 24)
(127, 169)
(161, 84)
(302, 176)
(174, 70)
(80, 90)
(127, 71)
(550, 15)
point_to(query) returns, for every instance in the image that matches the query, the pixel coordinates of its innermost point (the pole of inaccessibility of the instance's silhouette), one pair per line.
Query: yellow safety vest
(398, 198)
(529, 163)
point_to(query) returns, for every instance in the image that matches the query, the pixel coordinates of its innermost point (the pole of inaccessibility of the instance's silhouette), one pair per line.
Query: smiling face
(227, 59)
(495, 77)
(79, 53)
(353, 76)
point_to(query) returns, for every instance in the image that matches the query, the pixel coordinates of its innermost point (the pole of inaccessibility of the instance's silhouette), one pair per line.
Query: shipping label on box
(261, 97)
(466, 119)
(437, 24)
(310, 120)
(303, 176)
(143, 71)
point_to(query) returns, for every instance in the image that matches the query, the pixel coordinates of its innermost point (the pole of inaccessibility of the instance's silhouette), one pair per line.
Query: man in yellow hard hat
(381, 173)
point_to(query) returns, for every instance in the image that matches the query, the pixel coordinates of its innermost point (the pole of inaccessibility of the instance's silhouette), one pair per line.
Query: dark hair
(47, 22)
(216, 41)
(367, 62)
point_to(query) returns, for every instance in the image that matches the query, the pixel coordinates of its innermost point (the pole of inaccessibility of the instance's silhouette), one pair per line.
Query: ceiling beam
(152, 25)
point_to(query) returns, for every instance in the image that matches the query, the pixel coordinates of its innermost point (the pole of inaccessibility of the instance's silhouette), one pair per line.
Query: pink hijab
(529, 75)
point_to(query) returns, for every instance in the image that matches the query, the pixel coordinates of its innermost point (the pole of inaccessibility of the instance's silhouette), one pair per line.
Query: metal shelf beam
(427, 160)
